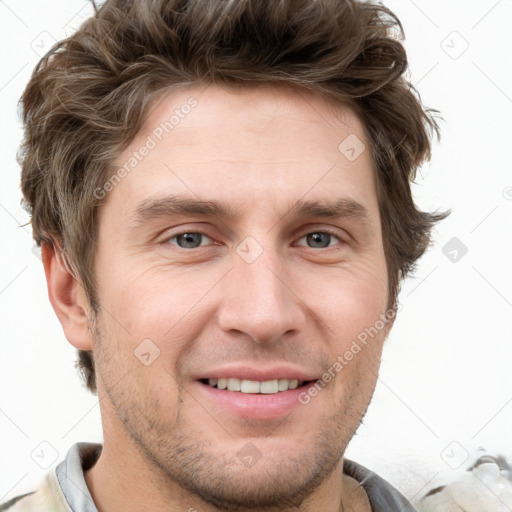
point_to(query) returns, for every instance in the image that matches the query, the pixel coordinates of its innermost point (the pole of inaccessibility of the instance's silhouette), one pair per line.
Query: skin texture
(203, 306)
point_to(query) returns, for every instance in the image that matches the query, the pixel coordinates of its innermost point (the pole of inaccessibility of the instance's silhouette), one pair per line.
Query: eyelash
(202, 232)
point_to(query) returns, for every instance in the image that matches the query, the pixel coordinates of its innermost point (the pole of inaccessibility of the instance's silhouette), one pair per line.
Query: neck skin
(122, 479)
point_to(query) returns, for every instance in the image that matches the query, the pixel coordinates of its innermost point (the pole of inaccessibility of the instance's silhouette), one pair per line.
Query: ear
(389, 325)
(66, 296)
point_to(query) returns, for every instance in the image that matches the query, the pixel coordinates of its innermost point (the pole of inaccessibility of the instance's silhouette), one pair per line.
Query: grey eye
(319, 239)
(188, 240)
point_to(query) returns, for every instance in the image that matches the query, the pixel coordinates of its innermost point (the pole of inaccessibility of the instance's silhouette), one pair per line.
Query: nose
(258, 300)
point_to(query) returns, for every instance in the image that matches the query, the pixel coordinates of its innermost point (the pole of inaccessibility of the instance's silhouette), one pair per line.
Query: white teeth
(253, 386)
(283, 384)
(250, 386)
(234, 384)
(270, 386)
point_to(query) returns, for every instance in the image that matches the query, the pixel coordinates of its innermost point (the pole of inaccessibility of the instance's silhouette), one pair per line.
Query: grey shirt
(64, 488)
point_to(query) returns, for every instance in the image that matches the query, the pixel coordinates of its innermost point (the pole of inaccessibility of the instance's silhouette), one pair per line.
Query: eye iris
(317, 238)
(189, 238)
(192, 240)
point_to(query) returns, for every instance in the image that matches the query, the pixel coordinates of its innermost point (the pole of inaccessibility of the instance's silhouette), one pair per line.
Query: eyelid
(331, 232)
(170, 236)
(299, 234)
(338, 232)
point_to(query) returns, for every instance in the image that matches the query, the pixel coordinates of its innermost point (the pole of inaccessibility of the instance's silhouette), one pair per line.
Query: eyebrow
(155, 208)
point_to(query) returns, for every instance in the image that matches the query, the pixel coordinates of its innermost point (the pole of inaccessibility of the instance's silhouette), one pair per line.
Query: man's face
(267, 294)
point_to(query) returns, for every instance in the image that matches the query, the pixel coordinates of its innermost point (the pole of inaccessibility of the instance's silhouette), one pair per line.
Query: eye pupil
(317, 238)
(188, 237)
(192, 240)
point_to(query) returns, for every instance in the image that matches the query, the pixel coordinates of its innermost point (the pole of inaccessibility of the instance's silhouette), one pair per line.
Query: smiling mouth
(255, 387)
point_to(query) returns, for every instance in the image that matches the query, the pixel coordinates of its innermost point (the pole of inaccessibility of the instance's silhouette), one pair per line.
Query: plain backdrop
(445, 387)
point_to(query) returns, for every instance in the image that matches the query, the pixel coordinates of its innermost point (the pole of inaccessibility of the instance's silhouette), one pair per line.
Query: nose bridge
(258, 299)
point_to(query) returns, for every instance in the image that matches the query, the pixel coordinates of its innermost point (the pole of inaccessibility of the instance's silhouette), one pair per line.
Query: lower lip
(255, 406)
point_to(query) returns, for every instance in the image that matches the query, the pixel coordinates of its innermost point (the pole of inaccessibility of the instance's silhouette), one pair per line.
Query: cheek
(159, 315)
(353, 308)
(151, 304)
(348, 297)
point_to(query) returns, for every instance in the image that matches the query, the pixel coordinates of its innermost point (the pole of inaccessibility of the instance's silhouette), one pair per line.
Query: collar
(82, 456)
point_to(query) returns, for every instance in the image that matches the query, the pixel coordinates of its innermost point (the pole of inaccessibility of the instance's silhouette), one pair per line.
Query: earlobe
(66, 297)
(391, 322)
(389, 325)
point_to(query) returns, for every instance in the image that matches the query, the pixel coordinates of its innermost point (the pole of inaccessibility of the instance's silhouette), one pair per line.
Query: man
(221, 190)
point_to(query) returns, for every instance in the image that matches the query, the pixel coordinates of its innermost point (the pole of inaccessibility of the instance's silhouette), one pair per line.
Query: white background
(445, 379)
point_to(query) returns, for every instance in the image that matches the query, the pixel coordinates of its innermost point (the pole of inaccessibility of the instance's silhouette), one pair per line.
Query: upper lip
(251, 371)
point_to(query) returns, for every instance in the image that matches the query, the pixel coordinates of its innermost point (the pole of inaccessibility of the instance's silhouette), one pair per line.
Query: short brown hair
(88, 97)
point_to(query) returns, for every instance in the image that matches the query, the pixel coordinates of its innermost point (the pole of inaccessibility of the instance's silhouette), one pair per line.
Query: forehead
(262, 145)
(255, 108)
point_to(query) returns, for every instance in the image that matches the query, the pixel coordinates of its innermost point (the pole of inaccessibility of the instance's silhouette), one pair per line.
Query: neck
(121, 481)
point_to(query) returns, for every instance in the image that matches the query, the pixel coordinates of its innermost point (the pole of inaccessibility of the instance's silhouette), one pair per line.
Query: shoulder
(382, 495)
(9, 504)
(46, 497)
